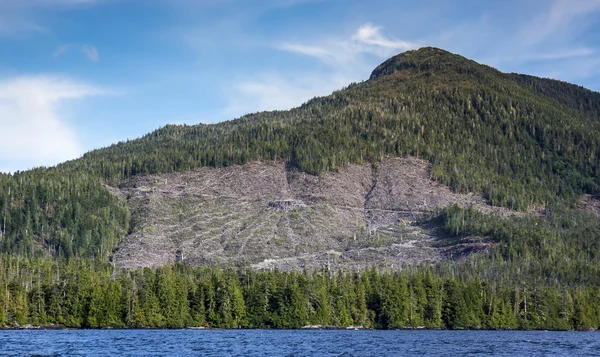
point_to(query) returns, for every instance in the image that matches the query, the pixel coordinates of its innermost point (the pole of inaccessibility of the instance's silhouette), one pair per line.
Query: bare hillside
(265, 216)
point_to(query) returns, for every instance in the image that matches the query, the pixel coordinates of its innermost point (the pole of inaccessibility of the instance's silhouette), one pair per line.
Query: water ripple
(296, 343)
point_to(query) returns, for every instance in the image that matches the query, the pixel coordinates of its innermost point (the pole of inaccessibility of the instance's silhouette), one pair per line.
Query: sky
(77, 75)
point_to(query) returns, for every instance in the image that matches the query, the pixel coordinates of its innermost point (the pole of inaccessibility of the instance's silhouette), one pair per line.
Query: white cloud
(88, 50)
(348, 59)
(34, 133)
(311, 51)
(559, 20)
(367, 39)
(277, 92)
(370, 35)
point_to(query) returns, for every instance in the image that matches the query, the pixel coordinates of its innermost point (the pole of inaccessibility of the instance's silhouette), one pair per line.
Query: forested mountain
(528, 145)
(519, 140)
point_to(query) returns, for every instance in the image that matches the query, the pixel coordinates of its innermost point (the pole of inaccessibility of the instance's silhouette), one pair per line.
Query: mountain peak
(425, 59)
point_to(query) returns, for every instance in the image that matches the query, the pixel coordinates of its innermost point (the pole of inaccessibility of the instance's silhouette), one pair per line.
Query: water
(296, 343)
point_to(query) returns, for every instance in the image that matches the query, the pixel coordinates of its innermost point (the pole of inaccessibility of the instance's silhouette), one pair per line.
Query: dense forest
(542, 274)
(78, 294)
(521, 141)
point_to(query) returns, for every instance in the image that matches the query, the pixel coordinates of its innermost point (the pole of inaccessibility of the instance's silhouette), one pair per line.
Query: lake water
(296, 343)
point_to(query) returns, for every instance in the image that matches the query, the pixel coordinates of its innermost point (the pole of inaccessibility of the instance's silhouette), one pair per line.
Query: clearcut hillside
(483, 137)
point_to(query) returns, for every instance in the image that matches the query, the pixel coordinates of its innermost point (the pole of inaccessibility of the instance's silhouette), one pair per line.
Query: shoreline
(304, 328)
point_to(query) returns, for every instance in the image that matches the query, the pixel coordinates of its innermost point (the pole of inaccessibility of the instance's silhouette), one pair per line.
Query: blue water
(296, 343)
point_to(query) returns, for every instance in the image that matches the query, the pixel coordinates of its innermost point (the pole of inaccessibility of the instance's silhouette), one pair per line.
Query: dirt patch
(590, 203)
(266, 216)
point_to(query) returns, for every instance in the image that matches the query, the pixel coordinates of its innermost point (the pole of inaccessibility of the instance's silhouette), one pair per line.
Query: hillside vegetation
(180, 296)
(521, 141)
(430, 135)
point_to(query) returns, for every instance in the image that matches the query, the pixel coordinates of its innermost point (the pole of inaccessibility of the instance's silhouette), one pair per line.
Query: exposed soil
(590, 203)
(265, 216)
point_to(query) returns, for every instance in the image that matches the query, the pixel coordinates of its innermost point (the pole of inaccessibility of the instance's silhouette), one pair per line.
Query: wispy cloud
(562, 54)
(370, 35)
(367, 39)
(552, 56)
(34, 129)
(320, 53)
(347, 59)
(24, 16)
(89, 51)
(272, 91)
(559, 21)
(550, 43)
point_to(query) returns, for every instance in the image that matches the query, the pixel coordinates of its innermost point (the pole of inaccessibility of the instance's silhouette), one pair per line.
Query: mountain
(379, 173)
(439, 193)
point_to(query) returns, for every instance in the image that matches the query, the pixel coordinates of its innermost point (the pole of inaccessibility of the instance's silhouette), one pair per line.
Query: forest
(542, 274)
(526, 143)
(83, 295)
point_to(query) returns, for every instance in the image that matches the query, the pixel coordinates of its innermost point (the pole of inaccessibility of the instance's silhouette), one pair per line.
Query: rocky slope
(266, 215)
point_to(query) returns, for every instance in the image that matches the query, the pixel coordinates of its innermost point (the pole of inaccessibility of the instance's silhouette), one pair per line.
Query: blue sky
(82, 74)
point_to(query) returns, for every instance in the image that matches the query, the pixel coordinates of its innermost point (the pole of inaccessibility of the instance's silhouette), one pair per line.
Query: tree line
(81, 294)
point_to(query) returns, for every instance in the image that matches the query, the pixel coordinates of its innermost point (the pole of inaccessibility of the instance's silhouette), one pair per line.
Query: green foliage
(563, 246)
(65, 215)
(520, 140)
(77, 294)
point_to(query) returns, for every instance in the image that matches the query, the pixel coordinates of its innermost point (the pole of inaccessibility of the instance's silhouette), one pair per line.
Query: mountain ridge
(516, 140)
